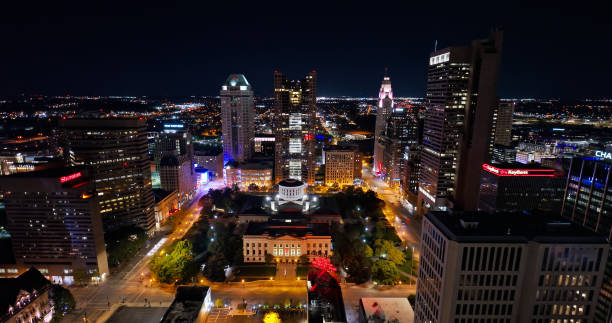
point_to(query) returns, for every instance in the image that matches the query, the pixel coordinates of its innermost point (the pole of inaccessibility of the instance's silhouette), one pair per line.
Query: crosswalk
(218, 315)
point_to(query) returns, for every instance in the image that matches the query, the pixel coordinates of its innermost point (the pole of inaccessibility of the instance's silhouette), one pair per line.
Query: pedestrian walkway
(218, 315)
(286, 271)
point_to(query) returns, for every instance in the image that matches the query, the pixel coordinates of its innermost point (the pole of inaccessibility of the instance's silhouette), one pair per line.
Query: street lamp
(411, 263)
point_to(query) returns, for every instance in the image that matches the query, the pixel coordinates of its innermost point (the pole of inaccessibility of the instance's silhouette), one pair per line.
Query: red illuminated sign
(518, 172)
(70, 177)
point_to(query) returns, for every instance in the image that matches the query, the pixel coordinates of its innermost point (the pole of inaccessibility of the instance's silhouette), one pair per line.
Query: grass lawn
(256, 270)
(302, 271)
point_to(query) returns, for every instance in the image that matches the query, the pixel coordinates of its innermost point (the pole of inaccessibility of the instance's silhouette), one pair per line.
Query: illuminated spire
(385, 91)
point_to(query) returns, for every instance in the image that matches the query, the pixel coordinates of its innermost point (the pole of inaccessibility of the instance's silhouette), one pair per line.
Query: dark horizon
(158, 50)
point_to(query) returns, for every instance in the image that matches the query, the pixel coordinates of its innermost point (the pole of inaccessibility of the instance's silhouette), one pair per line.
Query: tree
(385, 272)
(175, 265)
(385, 249)
(412, 299)
(219, 302)
(358, 269)
(81, 277)
(120, 246)
(269, 258)
(367, 252)
(62, 300)
(272, 317)
(253, 187)
(303, 259)
(215, 268)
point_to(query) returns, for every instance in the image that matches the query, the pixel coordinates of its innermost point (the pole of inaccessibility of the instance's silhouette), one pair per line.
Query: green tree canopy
(385, 272)
(62, 300)
(174, 265)
(386, 249)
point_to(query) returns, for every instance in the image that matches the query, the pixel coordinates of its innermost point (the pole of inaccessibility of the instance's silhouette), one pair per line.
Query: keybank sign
(603, 154)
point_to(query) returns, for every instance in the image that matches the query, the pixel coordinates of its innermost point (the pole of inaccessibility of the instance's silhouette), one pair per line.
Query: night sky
(130, 48)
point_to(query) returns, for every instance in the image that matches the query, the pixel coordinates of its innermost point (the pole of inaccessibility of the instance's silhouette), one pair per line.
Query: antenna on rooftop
(436, 45)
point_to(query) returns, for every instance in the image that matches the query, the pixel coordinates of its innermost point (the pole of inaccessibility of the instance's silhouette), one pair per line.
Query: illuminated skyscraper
(461, 97)
(116, 152)
(54, 221)
(295, 123)
(503, 126)
(238, 117)
(383, 111)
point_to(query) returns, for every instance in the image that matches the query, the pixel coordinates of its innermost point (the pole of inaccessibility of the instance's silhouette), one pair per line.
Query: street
(407, 227)
(131, 284)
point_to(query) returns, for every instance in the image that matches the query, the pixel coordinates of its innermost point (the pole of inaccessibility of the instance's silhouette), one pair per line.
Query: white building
(477, 267)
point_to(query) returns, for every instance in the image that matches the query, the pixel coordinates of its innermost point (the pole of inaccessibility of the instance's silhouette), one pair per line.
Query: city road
(131, 284)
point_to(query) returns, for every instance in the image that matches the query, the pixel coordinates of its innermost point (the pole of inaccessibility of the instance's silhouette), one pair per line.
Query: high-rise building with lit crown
(238, 117)
(383, 111)
(116, 152)
(294, 125)
(461, 101)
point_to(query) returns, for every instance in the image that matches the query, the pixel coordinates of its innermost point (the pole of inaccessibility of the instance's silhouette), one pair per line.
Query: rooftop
(186, 305)
(290, 183)
(236, 80)
(510, 228)
(102, 123)
(387, 309)
(160, 194)
(296, 228)
(28, 281)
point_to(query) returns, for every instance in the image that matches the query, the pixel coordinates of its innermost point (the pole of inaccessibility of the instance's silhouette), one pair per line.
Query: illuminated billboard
(70, 177)
(545, 172)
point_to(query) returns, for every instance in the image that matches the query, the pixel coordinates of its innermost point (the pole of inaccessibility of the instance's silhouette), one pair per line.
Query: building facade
(461, 96)
(398, 143)
(588, 203)
(249, 175)
(166, 204)
(503, 124)
(516, 187)
(116, 152)
(211, 159)
(588, 194)
(507, 268)
(175, 140)
(342, 165)
(177, 174)
(383, 111)
(294, 128)
(55, 225)
(238, 118)
(285, 247)
(26, 298)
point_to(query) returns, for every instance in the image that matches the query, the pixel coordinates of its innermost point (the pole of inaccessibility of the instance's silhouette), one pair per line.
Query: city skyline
(166, 51)
(252, 199)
